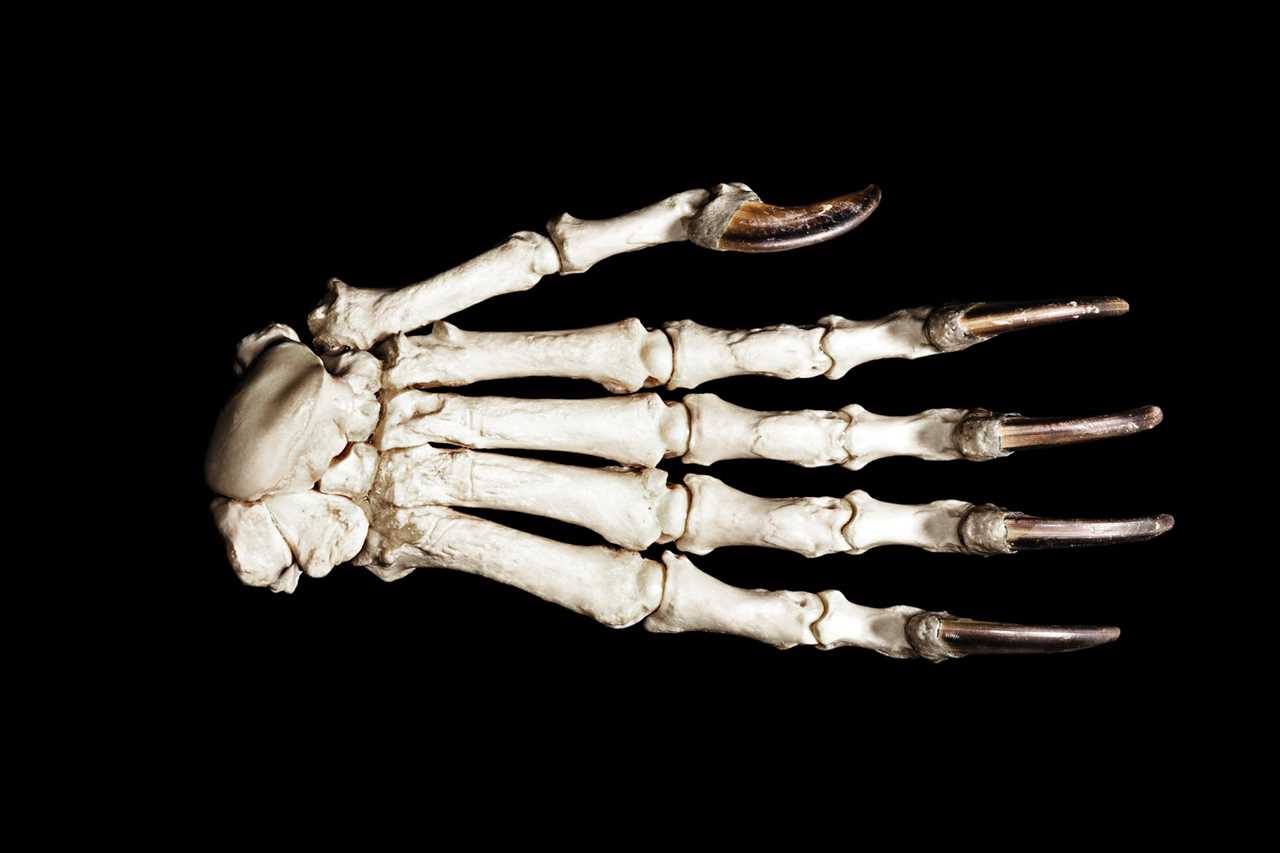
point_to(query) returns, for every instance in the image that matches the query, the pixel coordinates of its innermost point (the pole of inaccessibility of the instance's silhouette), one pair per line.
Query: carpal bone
(583, 243)
(254, 344)
(703, 353)
(615, 587)
(322, 530)
(636, 429)
(255, 548)
(622, 356)
(284, 425)
(695, 601)
(720, 430)
(351, 474)
(720, 515)
(630, 508)
(358, 318)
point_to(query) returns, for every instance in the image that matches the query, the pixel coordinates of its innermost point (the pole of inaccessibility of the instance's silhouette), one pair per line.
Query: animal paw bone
(356, 455)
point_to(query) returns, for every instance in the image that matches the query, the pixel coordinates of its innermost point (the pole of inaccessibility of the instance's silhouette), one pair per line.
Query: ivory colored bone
(636, 429)
(255, 548)
(853, 342)
(631, 508)
(351, 474)
(720, 430)
(287, 421)
(358, 318)
(618, 588)
(322, 530)
(721, 515)
(622, 356)
(932, 526)
(695, 601)
(703, 353)
(583, 243)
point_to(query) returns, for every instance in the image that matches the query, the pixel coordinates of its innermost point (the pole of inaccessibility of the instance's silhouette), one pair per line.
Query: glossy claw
(738, 221)
(1027, 533)
(955, 327)
(939, 636)
(988, 529)
(1006, 433)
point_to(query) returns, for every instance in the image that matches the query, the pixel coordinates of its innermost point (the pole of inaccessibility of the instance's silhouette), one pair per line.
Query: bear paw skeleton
(357, 454)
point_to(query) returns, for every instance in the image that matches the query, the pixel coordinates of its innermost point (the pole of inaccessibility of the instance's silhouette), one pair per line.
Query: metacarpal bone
(630, 508)
(358, 318)
(622, 356)
(615, 587)
(635, 429)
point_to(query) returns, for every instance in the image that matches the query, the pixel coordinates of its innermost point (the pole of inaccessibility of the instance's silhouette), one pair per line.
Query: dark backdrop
(1069, 199)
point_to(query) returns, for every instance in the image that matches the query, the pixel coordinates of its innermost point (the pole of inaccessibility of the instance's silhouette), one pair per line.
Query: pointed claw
(1027, 533)
(955, 327)
(938, 636)
(988, 529)
(1015, 432)
(738, 221)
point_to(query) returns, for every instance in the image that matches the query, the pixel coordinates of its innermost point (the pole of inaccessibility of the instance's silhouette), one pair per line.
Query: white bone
(322, 530)
(622, 356)
(720, 515)
(253, 345)
(283, 426)
(255, 548)
(703, 353)
(720, 430)
(933, 526)
(928, 435)
(583, 243)
(636, 429)
(847, 624)
(695, 601)
(351, 474)
(631, 508)
(358, 318)
(853, 342)
(617, 588)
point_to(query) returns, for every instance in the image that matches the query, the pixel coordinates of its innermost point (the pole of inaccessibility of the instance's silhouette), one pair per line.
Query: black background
(1013, 199)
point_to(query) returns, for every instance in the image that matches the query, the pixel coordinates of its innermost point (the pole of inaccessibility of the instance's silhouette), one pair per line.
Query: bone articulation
(622, 356)
(720, 515)
(702, 354)
(628, 507)
(636, 429)
(617, 588)
(720, 430)
(583, 243)
(359, 318)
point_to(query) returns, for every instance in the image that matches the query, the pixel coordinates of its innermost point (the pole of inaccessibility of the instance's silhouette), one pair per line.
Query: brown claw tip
(1028, 533)
(739, 221)
(1018, 432)
(955, 327)
(938, 636)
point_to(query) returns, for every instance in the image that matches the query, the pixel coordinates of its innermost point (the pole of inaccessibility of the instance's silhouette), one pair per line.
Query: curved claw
(738, 221)
(988, 529)
(1017, 432)
(981, 435)
(955, 327)
(939, 636)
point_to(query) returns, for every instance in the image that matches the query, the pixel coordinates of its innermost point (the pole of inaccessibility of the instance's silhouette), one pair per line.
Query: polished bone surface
(356, 455)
